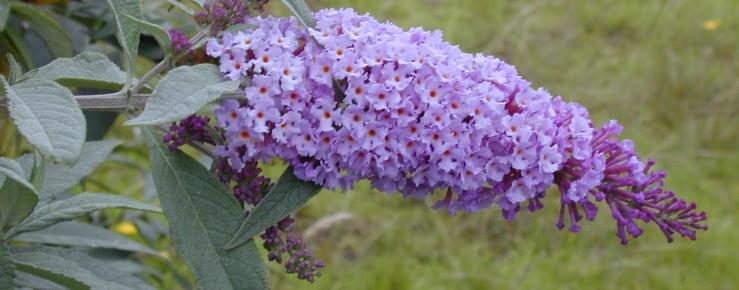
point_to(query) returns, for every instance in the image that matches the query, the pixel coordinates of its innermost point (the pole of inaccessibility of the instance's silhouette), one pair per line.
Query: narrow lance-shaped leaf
(15, 73)
(7, 269)
(38, 173)
(156, 31)
(201, 214)
(85, 70)
(23, 279)
(4, 15)
(182, 93)
(51, 32)
(127, 32)
(76, 206)
(288, 195)
(60, 177)
(71, 268)
(84, 235)
(182, 6)
(301, 10)
(16, 45)
(48, 116)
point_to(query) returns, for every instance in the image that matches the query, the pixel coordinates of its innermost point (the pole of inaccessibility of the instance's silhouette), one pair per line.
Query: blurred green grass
(672, 83)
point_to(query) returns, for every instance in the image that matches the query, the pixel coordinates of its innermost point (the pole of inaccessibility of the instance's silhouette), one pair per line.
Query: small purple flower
(180, 42)
(190, 129)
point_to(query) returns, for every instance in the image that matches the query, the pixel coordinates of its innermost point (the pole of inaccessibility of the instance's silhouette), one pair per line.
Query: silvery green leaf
(76, 206)
(13, 170)
(287, 195)
(127, 31)
(182, 92)
(48, 116)
(202, 214)
(74, 267)
(300, 10)
(27, 161)
(84, 235)
(156, 31)
(15, 73)
(85, 70)
(60, 177)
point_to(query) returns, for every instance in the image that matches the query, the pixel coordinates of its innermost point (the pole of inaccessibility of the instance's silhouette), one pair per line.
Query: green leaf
(23, 279)
(99, 123)
(7, 269)
(38, 173)
(127, 31)
(16, 203)
(51, 32)
(288, 195)
(17, 196)
(182, 93)
(201, 214)
(4, 15)
(85, 235)
(75, 266)
(182, 6)
(27, 161)
(76, 206)
(85, 70)
(15, 171)
(60, 177)
(17, 46)
(301, 10)
(15, 69)
(48, 116)
(156, 31)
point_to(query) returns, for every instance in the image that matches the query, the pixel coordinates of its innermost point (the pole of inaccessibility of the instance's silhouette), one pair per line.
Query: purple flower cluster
(222, 14)
(180, 42)
(301, 260)
(625, 183)
(249, 186)
(190, 129)
(357, 99)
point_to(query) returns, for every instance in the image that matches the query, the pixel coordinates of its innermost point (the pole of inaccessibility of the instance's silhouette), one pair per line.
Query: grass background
(661, 68)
